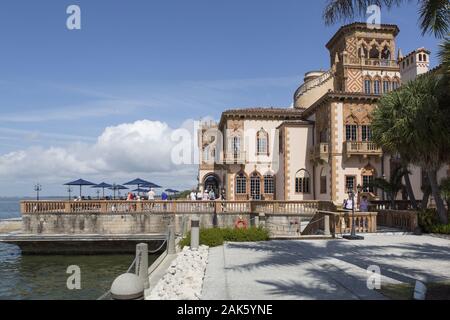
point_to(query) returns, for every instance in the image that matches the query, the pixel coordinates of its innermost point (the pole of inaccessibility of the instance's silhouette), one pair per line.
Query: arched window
(206, 154)
(395, 84)
(377, 86)
(363, 52)
(367, 86)
(241, 183)
(386, 85)
(386, 53)
(368, 175)
(302, 182)
(351, 128)
(269, 185)
(374, 53)
(262, 142)
(236, 146)
(255, 186)
(323, 181)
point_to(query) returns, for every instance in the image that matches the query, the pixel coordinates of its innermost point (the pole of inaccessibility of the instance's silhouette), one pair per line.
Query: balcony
(319, 152)
(239, 157)
(362, 148)
(371, 62)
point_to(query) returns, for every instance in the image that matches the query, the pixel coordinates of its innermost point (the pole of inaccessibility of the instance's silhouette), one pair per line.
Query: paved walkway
(322, 269)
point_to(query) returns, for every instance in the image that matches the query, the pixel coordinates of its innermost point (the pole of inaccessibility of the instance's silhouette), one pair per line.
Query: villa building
(320, 147)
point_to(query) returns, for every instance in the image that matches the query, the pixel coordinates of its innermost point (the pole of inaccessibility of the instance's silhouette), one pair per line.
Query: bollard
(262, 219)
(127, 286)
(420, 291)
(326, 229)
(171, 240)
(195, 233)
(141, 267)
(256, 221)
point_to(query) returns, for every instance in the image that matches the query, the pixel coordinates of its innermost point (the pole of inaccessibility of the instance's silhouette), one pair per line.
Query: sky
(102, 102)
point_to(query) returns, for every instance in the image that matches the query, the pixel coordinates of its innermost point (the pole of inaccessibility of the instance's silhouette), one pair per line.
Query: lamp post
(37, 188)
(353, 236)
(69, 190)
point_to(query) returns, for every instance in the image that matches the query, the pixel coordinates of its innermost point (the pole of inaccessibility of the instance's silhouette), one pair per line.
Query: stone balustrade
(119, 206)
(400, 219)
(341, 222)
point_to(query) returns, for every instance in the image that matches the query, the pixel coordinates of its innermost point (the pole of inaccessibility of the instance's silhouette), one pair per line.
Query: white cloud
(127, 150)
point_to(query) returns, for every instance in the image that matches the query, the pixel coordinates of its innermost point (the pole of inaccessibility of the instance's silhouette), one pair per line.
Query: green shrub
(429, 222)
(427, 219)
(441, 228)
(216, 237)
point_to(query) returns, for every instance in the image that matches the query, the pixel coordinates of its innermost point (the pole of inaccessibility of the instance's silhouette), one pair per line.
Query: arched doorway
(212, 182)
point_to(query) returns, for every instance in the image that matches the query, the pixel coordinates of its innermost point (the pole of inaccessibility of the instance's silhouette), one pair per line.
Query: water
(35, 277)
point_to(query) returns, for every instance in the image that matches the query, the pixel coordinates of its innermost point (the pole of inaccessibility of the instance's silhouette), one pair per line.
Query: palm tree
(413, 121)
(434, 15)
(393, 186)
(445, 191)
(444, 55)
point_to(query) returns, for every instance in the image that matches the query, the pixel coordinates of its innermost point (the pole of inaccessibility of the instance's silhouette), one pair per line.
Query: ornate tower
(363, 58)
(414, 64)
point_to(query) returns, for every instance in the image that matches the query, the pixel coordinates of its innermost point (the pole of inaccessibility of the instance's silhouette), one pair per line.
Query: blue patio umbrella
(80, 183)
(117, 187)
(102, 186)
(151, 185)
(172, 191)
(141, 183)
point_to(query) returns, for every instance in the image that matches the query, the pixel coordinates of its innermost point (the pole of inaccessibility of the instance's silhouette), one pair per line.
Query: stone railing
(370, 62)
(362, 148)
(378, 205)
(320, 152)
(119, 206)
(235, 157)
(400, 219)
(314, 83)
(341, 222)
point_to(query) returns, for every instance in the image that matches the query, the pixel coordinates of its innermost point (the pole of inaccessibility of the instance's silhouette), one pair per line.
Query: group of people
(207, 195)
(150, 196)
(363, 204)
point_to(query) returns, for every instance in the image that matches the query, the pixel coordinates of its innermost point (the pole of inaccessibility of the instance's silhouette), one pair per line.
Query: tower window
(262, 142)
(376, 87)
(350, 132)
(367, 86)
(302, 182)
(394, 85)
(386, 86)
(366, 133)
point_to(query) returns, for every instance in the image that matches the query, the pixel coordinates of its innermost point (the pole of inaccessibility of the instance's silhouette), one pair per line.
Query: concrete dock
(81, 243)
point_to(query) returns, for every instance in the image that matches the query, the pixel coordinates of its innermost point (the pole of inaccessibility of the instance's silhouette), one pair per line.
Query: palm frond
(345, 10)
(435, 17)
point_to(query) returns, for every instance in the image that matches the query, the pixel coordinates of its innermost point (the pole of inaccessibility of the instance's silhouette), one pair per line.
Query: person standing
(364, 205)
(211, 195)
(193, 196)
(199, 195)
(151, 195)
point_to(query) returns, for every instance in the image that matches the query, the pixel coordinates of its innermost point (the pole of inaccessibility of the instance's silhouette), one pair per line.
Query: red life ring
(240, 223)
